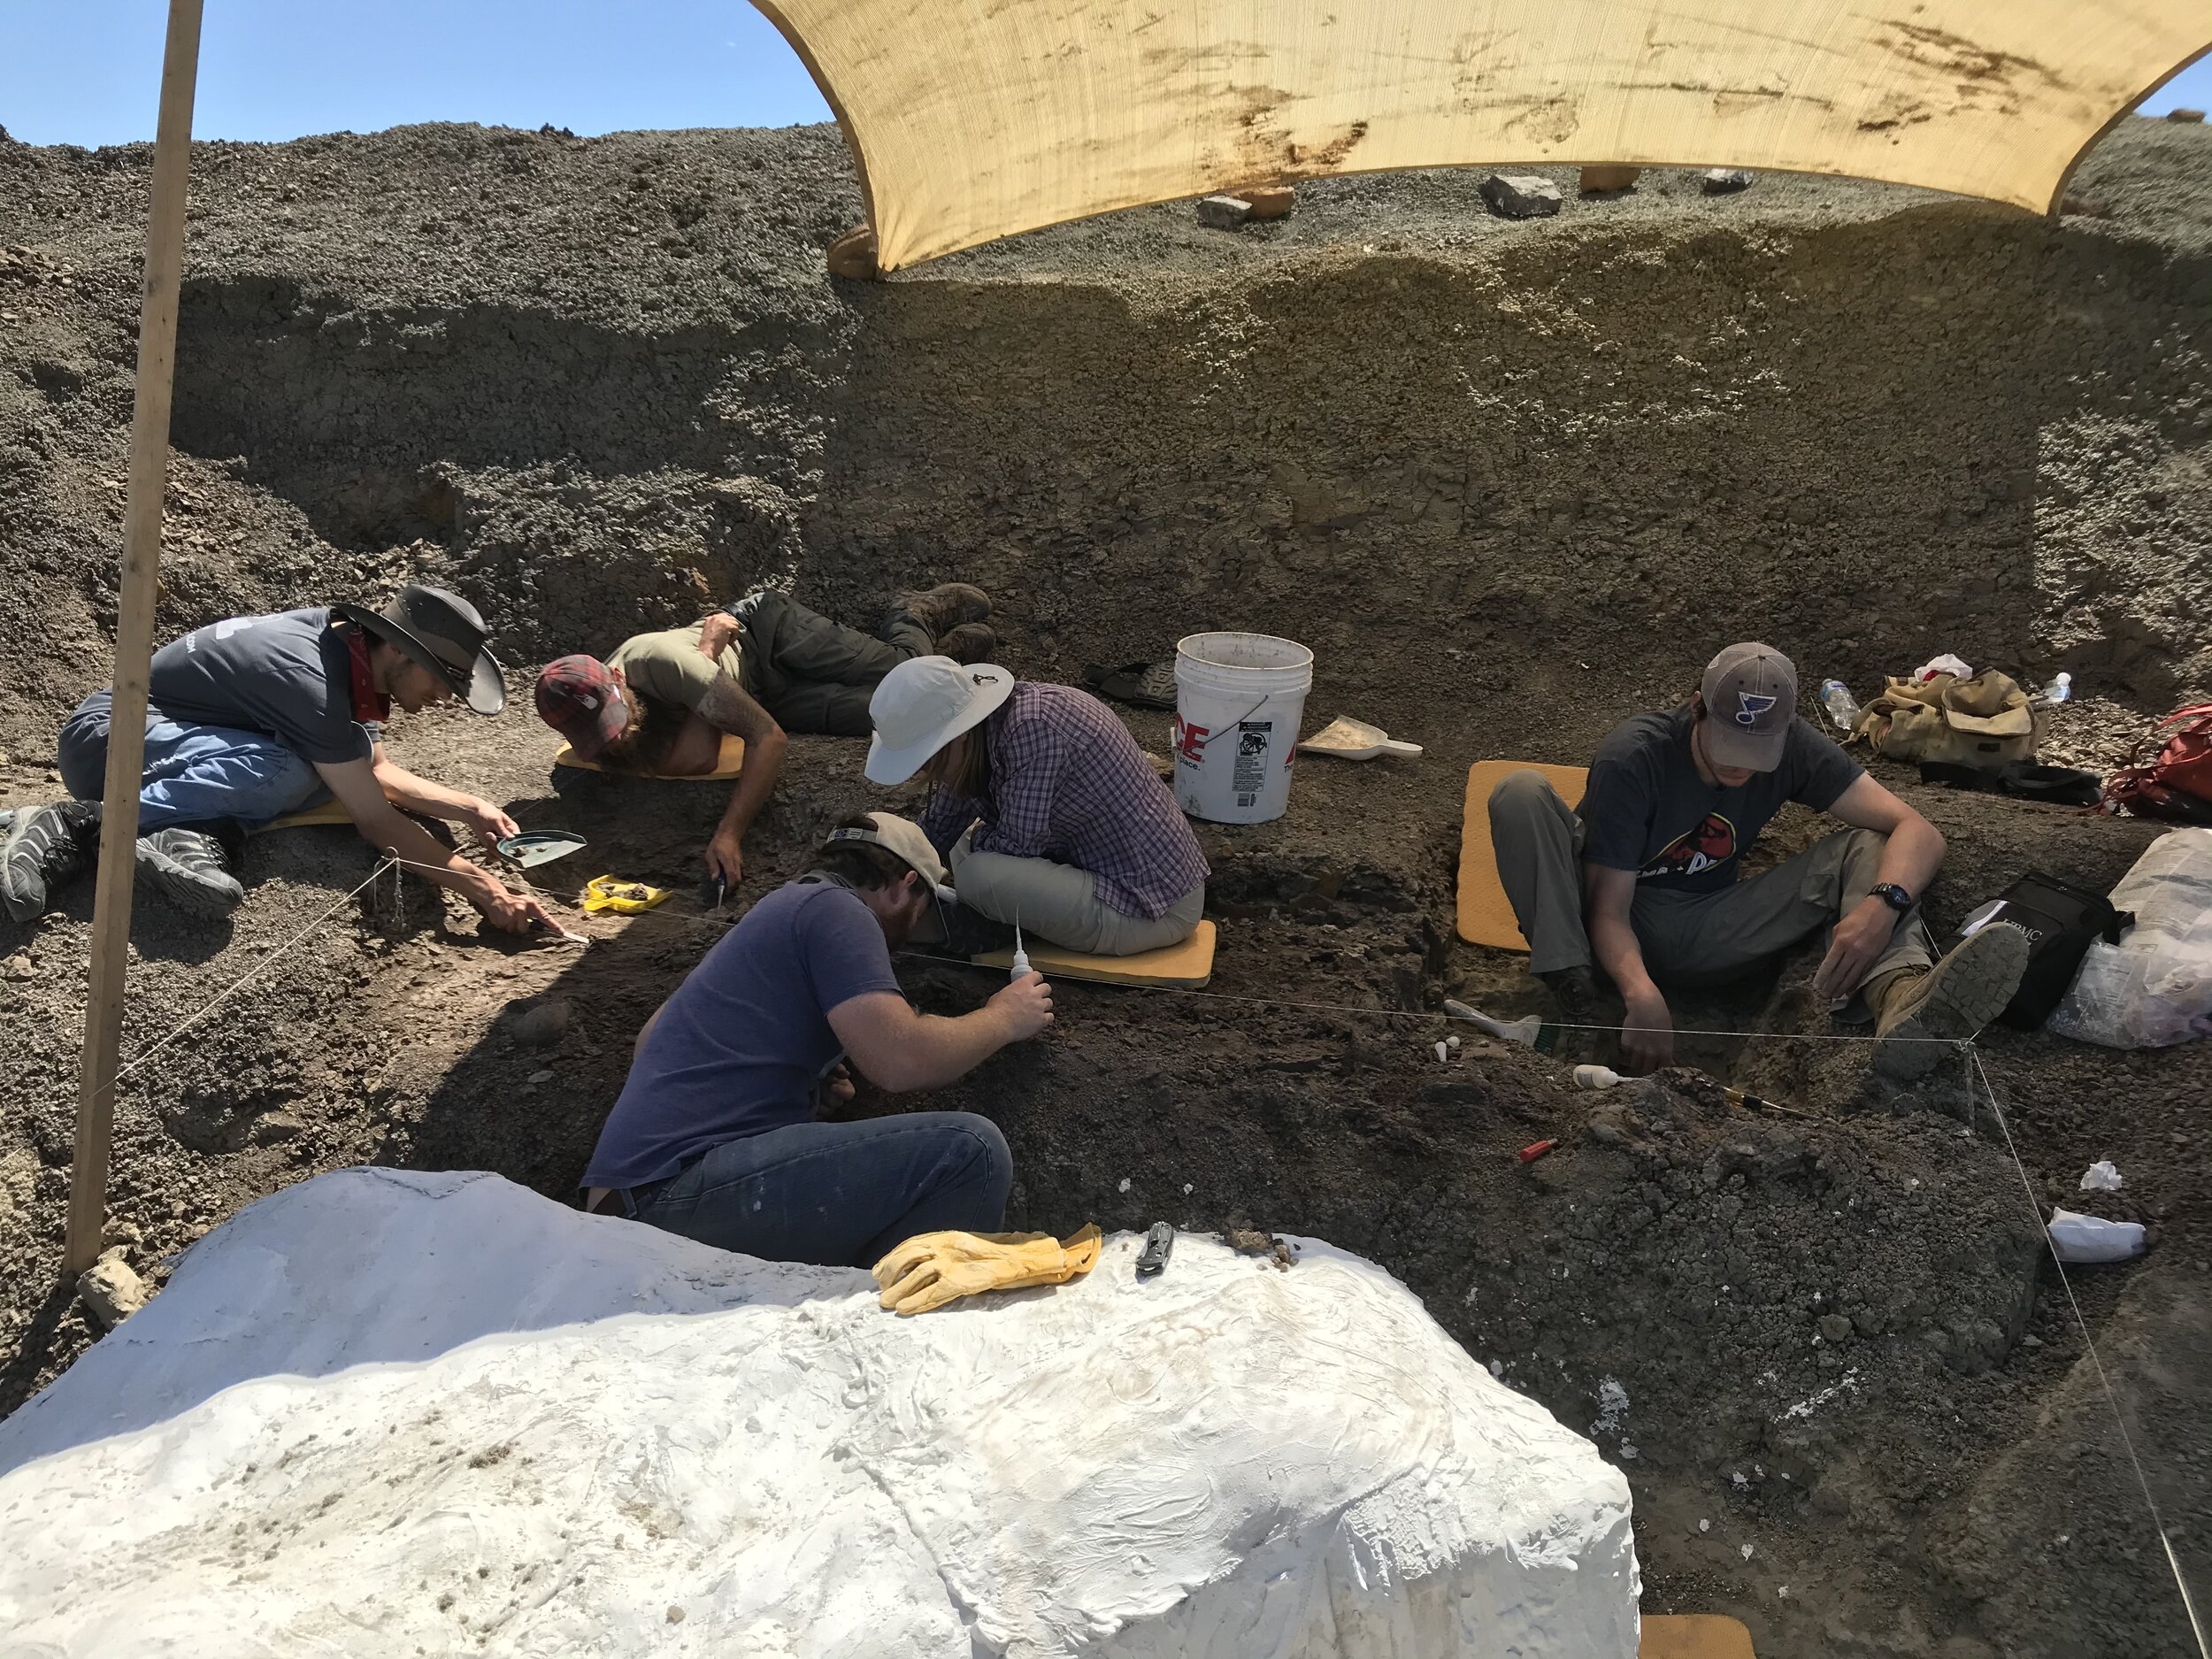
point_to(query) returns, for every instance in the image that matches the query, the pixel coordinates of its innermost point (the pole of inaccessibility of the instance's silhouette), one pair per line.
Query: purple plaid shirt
(1070, 784)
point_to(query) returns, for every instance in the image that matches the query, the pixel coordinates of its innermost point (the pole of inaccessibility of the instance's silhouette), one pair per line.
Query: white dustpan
(1348, 739)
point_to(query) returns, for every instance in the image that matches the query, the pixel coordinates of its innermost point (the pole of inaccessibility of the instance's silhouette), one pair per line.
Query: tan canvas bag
(1984, 722)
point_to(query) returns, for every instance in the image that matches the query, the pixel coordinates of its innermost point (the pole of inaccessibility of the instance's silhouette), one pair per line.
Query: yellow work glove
(932, 1269)
(626, 898)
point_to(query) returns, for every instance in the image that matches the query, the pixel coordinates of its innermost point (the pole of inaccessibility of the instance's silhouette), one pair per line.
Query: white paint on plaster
(384, 1413)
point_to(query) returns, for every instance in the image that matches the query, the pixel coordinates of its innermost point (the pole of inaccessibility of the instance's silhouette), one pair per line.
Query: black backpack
(2061, 921)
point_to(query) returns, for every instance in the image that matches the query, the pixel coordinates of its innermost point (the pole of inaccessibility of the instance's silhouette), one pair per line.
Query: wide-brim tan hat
(903, 839)
(922, 705)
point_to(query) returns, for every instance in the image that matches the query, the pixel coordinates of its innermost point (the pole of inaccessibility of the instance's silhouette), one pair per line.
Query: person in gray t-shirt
(1643, 880)
(252, 718)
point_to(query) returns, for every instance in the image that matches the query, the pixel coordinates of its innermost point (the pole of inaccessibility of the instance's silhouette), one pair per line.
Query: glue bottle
(1021, 957)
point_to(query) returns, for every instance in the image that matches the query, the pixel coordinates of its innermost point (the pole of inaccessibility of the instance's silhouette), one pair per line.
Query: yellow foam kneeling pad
(1694, 1636)
(1485, 917)
(728, 765)
(329, 812)
(1187, 965)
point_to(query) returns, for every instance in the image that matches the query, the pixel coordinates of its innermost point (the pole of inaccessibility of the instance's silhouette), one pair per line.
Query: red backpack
(2177, 784)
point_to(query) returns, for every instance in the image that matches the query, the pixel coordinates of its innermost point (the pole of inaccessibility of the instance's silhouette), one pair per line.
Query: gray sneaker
(1949, 1004)
(43, 846)
(189, 866)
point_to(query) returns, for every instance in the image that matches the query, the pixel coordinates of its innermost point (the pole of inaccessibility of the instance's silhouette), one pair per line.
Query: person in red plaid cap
(661, 703)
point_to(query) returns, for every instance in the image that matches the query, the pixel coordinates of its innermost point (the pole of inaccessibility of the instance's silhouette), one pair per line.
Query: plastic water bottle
(2058, 691)
(1843, 707)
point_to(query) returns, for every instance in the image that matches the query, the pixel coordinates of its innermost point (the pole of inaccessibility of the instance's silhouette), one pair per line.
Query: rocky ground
(1510, 481)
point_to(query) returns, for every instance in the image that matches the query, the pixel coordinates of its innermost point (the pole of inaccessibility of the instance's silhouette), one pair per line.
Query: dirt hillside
(1510, 481)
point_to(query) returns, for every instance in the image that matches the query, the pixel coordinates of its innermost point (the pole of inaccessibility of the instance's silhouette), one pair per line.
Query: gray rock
(1520, 195)
(1834, 1327)
(1726, 181)
(110, 1291)
(1223, 213)
(540, 1025)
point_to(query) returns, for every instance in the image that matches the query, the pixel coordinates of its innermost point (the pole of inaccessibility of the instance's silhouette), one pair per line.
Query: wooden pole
(133, 640)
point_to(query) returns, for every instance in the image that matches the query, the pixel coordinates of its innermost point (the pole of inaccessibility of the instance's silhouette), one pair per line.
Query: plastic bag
(2093, 1238)
(2155, 986)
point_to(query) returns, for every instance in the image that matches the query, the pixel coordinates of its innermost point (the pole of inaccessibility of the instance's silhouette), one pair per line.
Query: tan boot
(1923, 1014)
(970, 642)
(945, 607)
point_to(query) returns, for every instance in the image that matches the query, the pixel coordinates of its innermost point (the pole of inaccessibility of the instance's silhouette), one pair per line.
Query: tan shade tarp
(977, 119)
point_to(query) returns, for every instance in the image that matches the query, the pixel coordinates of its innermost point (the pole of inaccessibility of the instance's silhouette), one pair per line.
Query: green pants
(816, 675)
(1687, 939)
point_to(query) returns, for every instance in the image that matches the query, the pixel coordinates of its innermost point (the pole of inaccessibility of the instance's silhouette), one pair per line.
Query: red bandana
(369, 706)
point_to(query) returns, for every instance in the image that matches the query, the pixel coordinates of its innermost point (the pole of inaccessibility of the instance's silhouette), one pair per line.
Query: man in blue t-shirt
(716, 1135)
(251, 719)
(1642, 880)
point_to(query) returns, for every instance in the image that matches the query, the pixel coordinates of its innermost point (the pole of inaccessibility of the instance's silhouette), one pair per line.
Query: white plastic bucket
(1239, 698)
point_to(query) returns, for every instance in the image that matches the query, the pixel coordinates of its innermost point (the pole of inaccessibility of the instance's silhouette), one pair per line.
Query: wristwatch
(1893, 895)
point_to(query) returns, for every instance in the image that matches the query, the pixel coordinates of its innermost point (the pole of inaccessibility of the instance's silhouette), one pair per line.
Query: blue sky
(85, 72)
(88, 72)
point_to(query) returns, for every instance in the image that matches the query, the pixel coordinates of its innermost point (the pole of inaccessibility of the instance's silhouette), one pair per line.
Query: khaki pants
(1061, 903)
(1687, 939)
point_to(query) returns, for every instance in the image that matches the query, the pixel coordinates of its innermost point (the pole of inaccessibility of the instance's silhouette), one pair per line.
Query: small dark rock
(1726, 181)
(1521, 196)
(539, 1025)
(1223, 213)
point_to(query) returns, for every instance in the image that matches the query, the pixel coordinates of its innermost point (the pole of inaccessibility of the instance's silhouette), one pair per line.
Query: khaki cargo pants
(1060, 903)
(1688, 939)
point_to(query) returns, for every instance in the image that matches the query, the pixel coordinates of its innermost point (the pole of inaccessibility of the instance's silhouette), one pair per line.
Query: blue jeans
(841, 1194)
(194, 774)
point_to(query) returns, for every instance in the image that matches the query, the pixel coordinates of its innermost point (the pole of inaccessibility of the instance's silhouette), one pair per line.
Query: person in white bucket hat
(1042, 804)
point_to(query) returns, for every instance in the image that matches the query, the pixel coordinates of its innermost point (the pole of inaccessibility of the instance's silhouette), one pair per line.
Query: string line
(393, 862)
(248, 977)
(2104, 1381)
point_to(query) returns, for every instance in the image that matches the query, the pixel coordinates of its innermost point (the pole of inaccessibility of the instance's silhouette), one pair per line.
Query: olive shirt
(670, 666)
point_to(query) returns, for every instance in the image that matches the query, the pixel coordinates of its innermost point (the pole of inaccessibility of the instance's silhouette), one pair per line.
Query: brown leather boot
(970, 642)
(945, 607)
(1925, 1016)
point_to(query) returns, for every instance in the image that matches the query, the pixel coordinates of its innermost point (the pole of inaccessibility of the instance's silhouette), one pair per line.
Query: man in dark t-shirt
(255, 717)
(1643, 881)
(716, 1135)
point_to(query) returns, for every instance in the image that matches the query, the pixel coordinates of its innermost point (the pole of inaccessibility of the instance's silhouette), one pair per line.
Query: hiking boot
(969, 933)
(189, 865)
(1575, 993)
(945, 607)
(970, 642)
(1948, 1003)
(43, 848)
(1575, 990)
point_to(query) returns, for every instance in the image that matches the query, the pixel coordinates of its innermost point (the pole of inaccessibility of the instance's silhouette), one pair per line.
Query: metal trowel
(533, 847)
